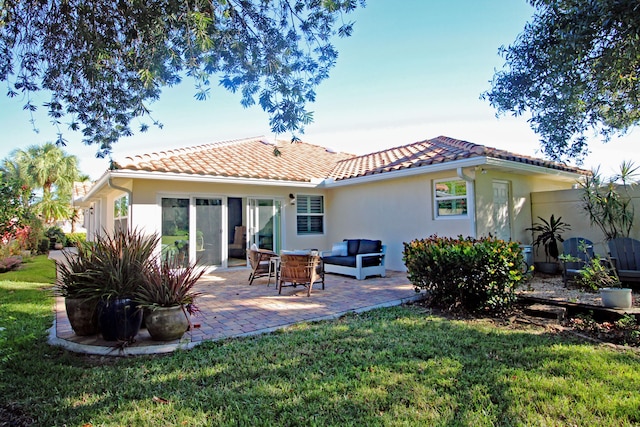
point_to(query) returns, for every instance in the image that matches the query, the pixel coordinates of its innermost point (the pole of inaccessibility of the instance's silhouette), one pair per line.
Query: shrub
(36, 234)
(55, 235)
(478, 276)
(75, 239)
(43, 245)
(597, 274)
(9, 263)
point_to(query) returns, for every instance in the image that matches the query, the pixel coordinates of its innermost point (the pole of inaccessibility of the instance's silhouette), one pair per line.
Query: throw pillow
(339, 249)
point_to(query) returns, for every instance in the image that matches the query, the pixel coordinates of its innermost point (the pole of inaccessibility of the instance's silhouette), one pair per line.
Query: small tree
(608, 202)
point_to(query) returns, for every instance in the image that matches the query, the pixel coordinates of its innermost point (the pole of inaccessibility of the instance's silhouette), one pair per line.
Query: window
(310, 210)
(121, 213)
(450, 198)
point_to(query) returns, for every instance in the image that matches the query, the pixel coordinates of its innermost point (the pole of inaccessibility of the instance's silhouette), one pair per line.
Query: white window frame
(438, 198)
(308, 214)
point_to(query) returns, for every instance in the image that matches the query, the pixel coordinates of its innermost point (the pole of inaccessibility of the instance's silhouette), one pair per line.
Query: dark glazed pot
(119, 319)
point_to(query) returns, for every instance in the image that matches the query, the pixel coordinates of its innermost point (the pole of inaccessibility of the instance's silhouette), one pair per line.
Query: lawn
(392, 366)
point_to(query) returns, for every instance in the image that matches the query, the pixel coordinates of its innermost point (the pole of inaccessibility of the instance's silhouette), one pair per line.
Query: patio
(230, 308)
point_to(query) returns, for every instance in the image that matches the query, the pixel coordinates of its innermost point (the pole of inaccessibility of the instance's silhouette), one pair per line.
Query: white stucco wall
(146, 210)
(521, 186)
(400, 210)
(393, 211)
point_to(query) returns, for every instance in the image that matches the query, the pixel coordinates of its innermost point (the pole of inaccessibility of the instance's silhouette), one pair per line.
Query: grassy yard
(394, 366)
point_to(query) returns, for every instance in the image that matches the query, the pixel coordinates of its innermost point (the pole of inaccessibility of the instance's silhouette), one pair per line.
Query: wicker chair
(299, 270)
(260, 261)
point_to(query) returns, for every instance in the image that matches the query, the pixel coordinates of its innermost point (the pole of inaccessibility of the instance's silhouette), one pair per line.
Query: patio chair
(625, 254)
(580, 249)
(260, 262)
(299, 270)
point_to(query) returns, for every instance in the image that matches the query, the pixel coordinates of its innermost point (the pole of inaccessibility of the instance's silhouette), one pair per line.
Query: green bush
(36, 233)
(43, 245)
(479, 276)
(74, 239)
(55, 235)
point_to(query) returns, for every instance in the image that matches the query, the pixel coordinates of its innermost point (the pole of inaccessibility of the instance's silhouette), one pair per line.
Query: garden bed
(551, 288)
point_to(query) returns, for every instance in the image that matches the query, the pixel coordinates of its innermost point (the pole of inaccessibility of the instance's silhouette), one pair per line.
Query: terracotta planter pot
(166, 323)
(82, 315)
(616, 297)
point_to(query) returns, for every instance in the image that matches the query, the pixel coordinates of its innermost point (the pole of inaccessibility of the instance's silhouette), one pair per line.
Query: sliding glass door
(196, 229)
(265, 223)
(192, 229)
(208, 233)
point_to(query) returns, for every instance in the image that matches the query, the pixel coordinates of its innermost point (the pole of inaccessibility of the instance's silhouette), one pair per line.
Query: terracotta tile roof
(303, 162)
(80, 189)
(246, 158)
(430, 152)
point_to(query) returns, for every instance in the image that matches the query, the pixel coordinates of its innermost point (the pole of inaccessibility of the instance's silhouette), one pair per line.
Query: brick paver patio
(229, 307)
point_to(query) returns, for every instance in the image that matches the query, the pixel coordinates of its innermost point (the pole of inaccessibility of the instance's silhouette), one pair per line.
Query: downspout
(129, 193)
(472, 200)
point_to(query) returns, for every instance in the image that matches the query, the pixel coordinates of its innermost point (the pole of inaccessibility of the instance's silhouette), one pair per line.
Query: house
(210, 200)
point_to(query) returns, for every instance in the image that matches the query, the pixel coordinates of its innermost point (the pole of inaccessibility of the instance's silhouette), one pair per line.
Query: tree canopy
(576, 69)
(105, 61)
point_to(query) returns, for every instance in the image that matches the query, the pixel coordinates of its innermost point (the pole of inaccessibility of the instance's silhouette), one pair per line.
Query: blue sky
(412, 70)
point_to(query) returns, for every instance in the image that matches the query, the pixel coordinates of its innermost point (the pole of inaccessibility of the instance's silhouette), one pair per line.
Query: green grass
(393, 366)
(37, 269)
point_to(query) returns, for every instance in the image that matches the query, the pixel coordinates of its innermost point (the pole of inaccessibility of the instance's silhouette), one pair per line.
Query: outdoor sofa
(356, 257)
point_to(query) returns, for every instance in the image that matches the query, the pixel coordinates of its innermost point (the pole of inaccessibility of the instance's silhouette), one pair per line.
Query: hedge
(477, 275)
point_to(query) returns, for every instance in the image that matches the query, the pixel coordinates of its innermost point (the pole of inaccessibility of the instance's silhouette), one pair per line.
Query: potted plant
(168, 297)
(118, 266)
(598, 274)
(76, 285)
(57, 238)
(548, 234)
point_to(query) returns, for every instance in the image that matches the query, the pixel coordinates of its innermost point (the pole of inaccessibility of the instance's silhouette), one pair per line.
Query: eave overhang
(102, 183)
(474, 162)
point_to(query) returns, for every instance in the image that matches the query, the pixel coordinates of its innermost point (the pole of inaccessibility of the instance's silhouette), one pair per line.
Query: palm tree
(49, 169)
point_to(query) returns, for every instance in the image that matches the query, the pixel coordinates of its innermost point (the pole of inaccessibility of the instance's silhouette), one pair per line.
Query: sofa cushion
(352, 246)
(369, 246)
(346, 261)
(350, 261)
